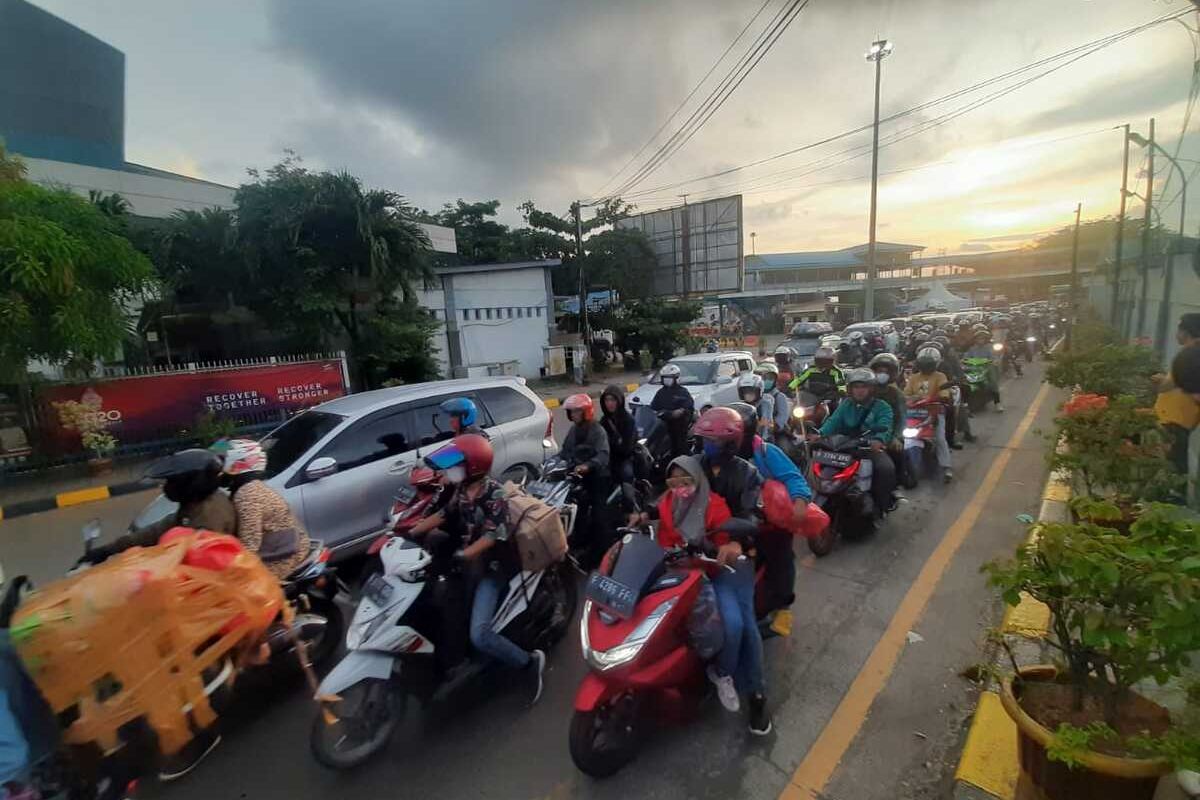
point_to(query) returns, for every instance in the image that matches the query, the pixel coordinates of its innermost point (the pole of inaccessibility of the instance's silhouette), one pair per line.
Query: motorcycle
(920, 438)
(841, 481)
(808, 412)
(635, 637)
(1032, 347)
(652, 454)
(399, 639)
(1008, 359)
(978, 372)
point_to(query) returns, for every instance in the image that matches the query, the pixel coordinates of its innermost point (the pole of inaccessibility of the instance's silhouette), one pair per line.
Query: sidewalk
(68, 485)
(554, 391)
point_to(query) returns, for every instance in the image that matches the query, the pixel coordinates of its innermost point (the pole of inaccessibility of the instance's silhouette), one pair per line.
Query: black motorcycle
(841, 482)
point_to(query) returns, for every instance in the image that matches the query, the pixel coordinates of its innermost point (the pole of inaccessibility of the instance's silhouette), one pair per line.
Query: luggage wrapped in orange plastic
(139, 636)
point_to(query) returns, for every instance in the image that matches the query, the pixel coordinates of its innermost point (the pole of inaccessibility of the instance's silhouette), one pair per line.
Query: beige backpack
(536, 528)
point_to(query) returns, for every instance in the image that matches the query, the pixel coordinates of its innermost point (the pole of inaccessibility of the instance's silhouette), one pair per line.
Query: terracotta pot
(1101, 777)
(99, 466)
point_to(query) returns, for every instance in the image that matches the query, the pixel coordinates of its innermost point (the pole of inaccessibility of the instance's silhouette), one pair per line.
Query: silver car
(337, 464)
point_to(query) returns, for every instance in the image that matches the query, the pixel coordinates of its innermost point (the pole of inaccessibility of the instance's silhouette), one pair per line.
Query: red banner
(159, 406)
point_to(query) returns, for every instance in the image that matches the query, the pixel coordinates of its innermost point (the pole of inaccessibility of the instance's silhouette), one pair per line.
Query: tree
(483, 240)
(198, 257)
(67, 278)
(656, 325)
(326, 255)
(11, 168)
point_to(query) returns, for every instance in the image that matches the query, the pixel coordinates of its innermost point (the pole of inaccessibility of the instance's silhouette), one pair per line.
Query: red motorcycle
(409, 505)
(920, 438)
(636, 640)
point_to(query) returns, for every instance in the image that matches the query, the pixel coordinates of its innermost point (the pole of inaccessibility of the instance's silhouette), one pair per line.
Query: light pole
(880, 50)
(753, 236)
(1160, 337)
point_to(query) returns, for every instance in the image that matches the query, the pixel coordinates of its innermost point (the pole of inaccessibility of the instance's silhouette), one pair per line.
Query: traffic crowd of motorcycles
(672, 526)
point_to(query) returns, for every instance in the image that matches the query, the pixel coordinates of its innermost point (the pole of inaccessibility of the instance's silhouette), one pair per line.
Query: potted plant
(89, 422)
(1124, 608)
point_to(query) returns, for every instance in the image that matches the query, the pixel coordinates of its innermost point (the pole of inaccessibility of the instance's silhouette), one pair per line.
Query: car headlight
(910, 433)
(627, 650)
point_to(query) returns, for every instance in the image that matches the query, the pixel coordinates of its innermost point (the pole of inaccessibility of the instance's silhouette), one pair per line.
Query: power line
(691, 94)
(1078, 52)
(733, 79)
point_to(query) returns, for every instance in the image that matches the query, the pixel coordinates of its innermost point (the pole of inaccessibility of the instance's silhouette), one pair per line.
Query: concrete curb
(555, 402)
(72, 498)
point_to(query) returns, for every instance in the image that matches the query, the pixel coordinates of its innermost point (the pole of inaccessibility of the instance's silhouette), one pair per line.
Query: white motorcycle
(399, 641)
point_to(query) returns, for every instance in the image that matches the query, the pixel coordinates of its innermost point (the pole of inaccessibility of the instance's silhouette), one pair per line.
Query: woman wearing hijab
(622, 433)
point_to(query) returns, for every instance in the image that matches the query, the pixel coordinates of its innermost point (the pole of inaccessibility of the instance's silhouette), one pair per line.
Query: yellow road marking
(989, 759)
(81, 496)
(814, 772)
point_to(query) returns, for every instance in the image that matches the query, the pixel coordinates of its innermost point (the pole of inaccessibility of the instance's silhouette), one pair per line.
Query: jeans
(883, 480)
(491, 590)
(941, 443)
(742, 655)
(28, 730)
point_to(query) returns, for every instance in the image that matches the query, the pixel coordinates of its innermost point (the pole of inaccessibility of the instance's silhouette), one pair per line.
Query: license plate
(918, 413)
(612, 595)
(405, 494)
(378, 591)
(831, 459)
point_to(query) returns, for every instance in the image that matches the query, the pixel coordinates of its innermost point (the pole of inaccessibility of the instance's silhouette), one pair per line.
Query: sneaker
(726, 691)
(187, 759)
(999, 408)
(947, 475)
(781, 624)
(760, 718)
(537, 663)
(956, 445)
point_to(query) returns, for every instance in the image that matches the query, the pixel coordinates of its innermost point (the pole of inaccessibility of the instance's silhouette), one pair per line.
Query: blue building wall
(62, 91)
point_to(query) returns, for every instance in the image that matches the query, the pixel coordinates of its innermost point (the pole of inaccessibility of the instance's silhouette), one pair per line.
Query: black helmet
(749, 417)
(188, 475)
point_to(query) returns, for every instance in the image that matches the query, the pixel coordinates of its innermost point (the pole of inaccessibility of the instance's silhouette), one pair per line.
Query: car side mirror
(321, 467)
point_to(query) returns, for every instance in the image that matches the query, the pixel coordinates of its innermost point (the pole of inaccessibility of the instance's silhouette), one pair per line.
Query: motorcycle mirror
(91, 530)
(629, 495)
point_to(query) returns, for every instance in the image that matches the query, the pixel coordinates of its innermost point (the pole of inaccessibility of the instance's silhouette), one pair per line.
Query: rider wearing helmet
(463, 416)
(265, 522)
(477, 514)
(586, 452)
(750, 390)
(887, 373)
(783, 360)
(823, 379)
(983, 349)
(927, 383)
(781, 406)
(864, 415)
(739, 483)
(190, 478)
(675, 404)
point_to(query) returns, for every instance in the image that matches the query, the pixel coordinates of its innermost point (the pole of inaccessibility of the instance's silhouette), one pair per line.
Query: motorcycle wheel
(367, 715)
(606, 739)
(912, 467)
(322, 648)
(566, 599)
(823, 545)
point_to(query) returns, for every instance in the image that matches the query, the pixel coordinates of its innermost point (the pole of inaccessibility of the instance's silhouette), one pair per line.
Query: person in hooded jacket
(622, 433)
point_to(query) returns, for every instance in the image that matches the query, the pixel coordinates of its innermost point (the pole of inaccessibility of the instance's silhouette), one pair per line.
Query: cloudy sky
(547, 99)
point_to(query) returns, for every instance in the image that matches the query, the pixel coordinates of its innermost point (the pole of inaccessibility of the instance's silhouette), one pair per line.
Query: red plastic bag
(815, 521)
(211, 550)
(780, 512)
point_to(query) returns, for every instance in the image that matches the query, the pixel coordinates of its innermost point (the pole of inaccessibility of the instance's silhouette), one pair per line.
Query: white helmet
(669, 371)
(749, 382)
(783, 350)
(823, 352)
(243, 456)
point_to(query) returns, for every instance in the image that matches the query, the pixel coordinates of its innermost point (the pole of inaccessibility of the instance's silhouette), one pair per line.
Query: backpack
(536, 530)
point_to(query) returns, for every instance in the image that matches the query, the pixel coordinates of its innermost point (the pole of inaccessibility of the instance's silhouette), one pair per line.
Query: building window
(508, 312)
(520, 313)
(539, 311)
(477, 313)
(489, 313)
(529, 311)
(466, 313)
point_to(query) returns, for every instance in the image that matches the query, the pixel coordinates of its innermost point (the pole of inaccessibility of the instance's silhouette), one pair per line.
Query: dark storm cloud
(512, 88)
(1137, 95)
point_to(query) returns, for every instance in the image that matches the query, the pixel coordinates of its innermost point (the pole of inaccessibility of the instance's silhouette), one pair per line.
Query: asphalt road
(501, 748)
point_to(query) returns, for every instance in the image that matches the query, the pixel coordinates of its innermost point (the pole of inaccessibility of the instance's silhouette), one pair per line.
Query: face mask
(668, 381)
(455, 475)
(714, 452)
(684, 493)
(882, 378)
(769, 384)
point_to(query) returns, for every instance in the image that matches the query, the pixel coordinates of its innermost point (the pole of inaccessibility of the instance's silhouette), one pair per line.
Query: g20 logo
(108, 417)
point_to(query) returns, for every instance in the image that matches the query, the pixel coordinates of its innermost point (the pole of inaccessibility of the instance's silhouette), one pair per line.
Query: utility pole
(880, 50)
(1116, 279)
(577, 212)
(685, 241)
(1074, 275)
(1145, 262)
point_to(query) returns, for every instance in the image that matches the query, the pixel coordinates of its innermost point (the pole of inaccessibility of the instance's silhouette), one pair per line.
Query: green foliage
(395, 345)
(657, 326)
(1071, 743)
(210, 428)
(1111, 370)
(483, 240)
(1115, 449)
(1124, 607)
(1180, 747)
(198, 257)
(67, 276)
(12, 169)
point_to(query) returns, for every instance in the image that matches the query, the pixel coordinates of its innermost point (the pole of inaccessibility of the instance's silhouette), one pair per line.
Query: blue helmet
(460, 407)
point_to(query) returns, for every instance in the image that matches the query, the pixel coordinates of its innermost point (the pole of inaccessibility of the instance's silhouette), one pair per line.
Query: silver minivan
(337, 464)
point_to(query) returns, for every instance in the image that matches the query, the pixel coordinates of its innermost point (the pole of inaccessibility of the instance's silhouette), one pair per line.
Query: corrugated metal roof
(814, 259)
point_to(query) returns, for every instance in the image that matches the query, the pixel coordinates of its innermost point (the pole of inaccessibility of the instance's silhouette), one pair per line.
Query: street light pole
(1116, 280)
(880, 50)
(1160, 334)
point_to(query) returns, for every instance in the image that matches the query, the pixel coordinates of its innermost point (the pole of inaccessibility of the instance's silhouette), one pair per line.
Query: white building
(492, 317)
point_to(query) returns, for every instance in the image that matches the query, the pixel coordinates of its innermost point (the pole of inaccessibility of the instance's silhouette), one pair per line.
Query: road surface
(863, 710)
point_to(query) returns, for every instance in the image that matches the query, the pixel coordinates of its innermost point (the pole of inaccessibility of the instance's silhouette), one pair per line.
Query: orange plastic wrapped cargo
(132, 637)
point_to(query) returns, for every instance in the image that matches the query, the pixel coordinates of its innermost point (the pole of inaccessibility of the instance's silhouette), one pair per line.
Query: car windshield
(867, 329)
(294, 438)
(803, 347)
(691, 373)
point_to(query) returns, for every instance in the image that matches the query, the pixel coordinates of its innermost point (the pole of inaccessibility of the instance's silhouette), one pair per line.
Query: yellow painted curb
(552, 402)
(632, 387)
(1, 513)
(1029, 618)
(989, 759)
(81, 496)
(1057, 492)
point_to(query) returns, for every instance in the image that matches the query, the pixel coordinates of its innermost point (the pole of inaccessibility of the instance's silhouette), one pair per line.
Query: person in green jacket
(824, 378)
(864, 415)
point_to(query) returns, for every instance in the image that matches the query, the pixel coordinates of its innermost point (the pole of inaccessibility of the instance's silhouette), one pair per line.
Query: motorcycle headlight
(1031, 338)
(1052, 326)
(798, 412)
(627, 650)
(548, 444)
(997, 347)
(642, 442)
(910, 433)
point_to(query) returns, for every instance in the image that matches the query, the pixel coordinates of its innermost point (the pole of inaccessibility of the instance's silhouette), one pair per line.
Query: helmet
(926, 329)
(767, 368)
(856, 337)
(584, 405)
(927, 359)
(941, 341)
(783, 350)
(860, 375)
(470, 451)
(951, 329)
(243, 456)
(669, 371)
(979, 327)
(983, 335)
(460, 407)
(749, 415)
(720, 425)
(886, 360)
(188, 475)
(823, 353)
(921, 336)
(750, 382)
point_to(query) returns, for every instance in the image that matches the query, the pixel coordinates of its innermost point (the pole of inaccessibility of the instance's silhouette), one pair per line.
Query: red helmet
(470, 450)
(581, 403)
(721, 425)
